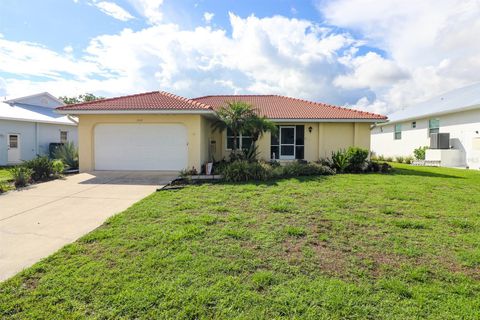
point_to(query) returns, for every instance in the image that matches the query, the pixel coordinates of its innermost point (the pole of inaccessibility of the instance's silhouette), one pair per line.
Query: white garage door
(140, 147)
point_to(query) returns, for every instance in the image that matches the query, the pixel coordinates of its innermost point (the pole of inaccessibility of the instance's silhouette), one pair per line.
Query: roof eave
(143, 111)
(314, 120)
(433, 114)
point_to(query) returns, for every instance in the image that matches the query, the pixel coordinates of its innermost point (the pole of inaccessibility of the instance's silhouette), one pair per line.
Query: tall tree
(234, 116)
(87, 97)
(241, 117)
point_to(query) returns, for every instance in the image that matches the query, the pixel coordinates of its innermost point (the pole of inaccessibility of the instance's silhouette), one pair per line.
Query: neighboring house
(456, 112)
(162, 131)
(29, 124)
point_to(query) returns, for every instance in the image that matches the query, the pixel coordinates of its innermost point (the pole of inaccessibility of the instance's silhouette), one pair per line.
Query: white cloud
(150, 9)
(114, 10)
(270, 55)
(208, 16)
(433, 41)
(68, 49)
(262, 55)
(370, 71)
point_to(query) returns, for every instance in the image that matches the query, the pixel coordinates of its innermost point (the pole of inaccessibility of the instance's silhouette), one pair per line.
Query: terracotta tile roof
(271, 106)
(280, 107)
(155, 100)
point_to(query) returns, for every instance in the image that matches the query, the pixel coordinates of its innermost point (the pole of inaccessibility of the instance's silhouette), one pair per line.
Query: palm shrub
(41, 166)
(340, 160)
(21, 175)
(234, 116)
(357, 159)
(68, 153)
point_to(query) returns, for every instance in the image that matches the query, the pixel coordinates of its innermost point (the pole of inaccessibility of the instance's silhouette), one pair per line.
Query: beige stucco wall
(197, 128)
(325, 138)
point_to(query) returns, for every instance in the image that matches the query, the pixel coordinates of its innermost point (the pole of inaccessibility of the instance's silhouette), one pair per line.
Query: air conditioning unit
(440, 141)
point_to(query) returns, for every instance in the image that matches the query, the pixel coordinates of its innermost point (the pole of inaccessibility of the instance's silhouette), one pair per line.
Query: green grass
(399, 246)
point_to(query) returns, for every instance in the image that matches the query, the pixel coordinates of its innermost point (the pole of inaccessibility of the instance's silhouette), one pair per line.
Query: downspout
(36, 138)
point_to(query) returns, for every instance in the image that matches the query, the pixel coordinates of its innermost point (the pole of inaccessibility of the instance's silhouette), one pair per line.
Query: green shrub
(385, 168)
(374, 166)
(242, 170)
(21, 175)
(340, 160)
(42, 168)
(296, 169)
(357, 158)
(381, 158)
(419, 153)
(68, 153)
(409, 160)
(400, 159)
(389, 159)
(4, 187)
(58, 166)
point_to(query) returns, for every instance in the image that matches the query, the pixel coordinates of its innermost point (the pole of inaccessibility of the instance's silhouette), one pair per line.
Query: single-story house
(162, 131)
(456, 112)
(29, 124)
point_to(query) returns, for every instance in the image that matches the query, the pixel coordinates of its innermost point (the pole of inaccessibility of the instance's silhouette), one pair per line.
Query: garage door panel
(140, 147)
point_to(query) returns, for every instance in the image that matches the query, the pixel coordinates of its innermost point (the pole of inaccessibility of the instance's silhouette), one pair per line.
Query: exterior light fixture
(310, 129)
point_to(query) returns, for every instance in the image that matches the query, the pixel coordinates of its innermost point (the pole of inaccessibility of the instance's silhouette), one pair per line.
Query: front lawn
(398, 246)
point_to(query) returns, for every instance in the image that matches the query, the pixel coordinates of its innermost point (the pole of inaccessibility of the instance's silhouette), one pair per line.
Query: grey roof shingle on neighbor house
(453, 101)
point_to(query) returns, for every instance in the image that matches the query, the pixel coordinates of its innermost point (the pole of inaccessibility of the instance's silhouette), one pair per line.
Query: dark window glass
(299, 152)
(229, 132)
(287, 150)
(287, 136)
(230, 143)
(300, 138)
(274, 152)
(246, 142)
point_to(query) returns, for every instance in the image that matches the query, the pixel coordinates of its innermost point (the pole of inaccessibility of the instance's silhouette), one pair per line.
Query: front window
(244, 141)
(63, 136)
(433, 126)
(398, 132)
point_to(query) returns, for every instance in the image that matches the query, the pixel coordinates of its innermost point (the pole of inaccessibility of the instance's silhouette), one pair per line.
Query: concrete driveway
(38, 220)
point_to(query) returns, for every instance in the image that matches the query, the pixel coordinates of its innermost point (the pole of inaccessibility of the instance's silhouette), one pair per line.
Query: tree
(234, 116)
(87, 97)
(258, 125)
(241, 117)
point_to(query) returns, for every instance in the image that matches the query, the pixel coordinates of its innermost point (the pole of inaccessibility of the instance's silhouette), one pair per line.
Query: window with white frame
(398, 132)
(244, 140)
(63, 136)
(433, 126)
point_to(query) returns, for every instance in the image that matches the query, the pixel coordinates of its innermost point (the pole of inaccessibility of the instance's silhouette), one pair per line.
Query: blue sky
(376, 56)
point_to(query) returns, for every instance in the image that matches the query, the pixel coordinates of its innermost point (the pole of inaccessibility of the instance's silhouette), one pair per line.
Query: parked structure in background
(29, 124)
(456, 113)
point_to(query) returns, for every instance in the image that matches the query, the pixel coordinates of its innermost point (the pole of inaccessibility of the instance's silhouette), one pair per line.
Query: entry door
(287, 142)
(13, 153)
